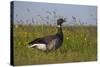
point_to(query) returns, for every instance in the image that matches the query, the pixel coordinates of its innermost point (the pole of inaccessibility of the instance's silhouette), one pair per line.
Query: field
(79, 45)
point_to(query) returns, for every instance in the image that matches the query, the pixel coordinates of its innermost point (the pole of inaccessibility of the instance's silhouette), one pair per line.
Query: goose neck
(59, 29)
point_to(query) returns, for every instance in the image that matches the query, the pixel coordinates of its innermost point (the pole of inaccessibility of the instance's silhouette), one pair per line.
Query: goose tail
(30, 46)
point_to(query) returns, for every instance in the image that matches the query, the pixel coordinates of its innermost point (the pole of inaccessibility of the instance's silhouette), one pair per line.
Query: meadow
(79, 45)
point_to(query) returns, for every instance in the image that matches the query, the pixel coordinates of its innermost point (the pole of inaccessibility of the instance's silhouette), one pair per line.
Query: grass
(80, 44)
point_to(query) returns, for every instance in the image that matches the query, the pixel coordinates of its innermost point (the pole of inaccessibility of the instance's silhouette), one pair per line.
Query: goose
(51, 42)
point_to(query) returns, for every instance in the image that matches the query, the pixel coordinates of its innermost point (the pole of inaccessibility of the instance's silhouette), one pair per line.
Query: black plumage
(50, 42)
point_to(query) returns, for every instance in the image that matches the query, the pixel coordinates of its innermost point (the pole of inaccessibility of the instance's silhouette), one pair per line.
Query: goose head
(60, 21)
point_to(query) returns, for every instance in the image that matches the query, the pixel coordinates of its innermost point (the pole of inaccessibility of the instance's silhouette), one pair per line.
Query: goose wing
(43, 40)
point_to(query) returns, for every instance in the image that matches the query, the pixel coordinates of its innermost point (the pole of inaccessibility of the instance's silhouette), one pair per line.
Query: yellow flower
(25, 34)
(67, 38)
(85, 38)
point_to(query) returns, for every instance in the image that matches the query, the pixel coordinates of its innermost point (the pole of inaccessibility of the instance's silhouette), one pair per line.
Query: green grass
(80, 44)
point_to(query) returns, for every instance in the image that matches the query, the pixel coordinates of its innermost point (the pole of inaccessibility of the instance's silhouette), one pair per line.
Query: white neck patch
(58, 26)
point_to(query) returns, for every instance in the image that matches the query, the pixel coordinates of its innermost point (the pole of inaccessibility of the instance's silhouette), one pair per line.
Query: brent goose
(51, 42)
